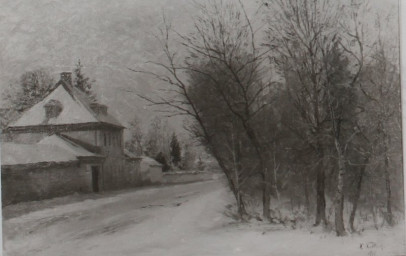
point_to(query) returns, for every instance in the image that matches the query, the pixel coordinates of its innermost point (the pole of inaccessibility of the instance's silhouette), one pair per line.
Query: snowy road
(181, 220)
(128, 224)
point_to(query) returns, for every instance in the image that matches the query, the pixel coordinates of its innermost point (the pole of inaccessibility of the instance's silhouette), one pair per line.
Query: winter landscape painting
(201, 127)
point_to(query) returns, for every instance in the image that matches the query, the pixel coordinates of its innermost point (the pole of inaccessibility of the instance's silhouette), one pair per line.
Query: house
(64, 144)
(150, 171)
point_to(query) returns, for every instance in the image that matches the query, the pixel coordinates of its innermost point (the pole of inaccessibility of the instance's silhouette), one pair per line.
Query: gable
(73, 111)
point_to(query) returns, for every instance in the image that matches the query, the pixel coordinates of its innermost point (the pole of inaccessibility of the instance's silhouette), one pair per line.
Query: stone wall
(185, 177)
(28, 183)
(150, 174)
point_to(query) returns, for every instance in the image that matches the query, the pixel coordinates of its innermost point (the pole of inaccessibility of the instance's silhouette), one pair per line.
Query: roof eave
(39, 165)
(62, 127)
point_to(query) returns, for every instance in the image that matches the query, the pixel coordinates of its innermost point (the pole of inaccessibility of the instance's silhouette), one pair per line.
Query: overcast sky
(108, 36)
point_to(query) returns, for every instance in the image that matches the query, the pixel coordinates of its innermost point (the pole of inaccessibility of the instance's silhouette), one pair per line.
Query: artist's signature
(372, 253)
(368, 245)
(371, 245)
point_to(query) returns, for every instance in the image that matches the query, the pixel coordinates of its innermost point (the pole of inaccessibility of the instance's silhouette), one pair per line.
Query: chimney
(67, 77)
(98, 108)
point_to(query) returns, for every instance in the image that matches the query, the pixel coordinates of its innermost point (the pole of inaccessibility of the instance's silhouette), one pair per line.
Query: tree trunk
(235, 188)
(275, 177)
(242, 212)
(266, 175)
(389, 217)
(374, 217)
(321, 200)
(266, 196)
(275, 184)
(240, 202)
(357, 195)
(306, 193)
(339, 198)
(339, 219)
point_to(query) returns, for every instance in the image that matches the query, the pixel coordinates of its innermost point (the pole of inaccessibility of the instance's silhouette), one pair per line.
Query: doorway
(95, 178)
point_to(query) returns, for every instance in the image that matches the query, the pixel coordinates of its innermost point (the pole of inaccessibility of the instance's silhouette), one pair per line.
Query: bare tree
(381, 87)
(135, 143)
(223, 52)
(341, 104)
(157, 139)
(362, 169)
(319, 51)
(298, 33)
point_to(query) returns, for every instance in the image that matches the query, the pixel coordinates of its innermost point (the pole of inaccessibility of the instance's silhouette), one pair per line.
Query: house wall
(116, 171)
(109, 138)
(116, 174)
(36, 183)
(85, 136)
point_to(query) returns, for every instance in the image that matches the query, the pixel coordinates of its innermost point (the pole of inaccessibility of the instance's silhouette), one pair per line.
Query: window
(105, 139)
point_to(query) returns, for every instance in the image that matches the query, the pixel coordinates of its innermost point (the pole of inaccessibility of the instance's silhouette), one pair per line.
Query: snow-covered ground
(181, 220)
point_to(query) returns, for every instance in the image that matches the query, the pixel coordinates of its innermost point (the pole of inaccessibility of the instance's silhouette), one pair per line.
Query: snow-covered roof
(51, 149)
(75, 110)
(149, 161)
(67, 145)
(20, 154)
(130, 154)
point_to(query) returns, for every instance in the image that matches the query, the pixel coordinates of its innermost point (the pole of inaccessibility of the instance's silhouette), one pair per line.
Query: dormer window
(52, 109)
